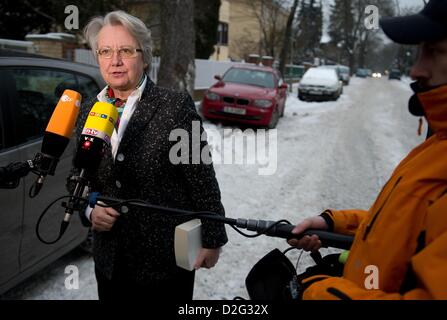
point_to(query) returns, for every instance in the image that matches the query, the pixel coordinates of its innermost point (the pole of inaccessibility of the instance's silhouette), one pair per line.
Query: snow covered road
(330, 155)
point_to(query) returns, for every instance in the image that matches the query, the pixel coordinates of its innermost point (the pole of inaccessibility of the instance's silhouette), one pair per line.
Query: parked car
(333, 67)
(343, 72)
(30, 87)
(394, 74)
(247, 94)
(362, 73)
(320, 84)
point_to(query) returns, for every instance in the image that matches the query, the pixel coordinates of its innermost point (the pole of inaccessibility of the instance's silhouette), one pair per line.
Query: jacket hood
(434, 103)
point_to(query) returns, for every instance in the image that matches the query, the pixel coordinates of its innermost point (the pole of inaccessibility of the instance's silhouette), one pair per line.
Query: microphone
(56, 138)
(284, 230)
(95, 136)
(187, 236)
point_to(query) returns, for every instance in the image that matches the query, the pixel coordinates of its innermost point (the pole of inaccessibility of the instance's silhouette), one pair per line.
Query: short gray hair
(135, 26)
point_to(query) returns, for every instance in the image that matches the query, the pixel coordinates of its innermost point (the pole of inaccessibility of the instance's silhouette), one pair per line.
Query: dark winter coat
(144, 238)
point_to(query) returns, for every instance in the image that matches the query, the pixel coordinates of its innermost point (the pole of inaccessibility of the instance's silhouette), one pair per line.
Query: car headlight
(212, 96)
(263, 103)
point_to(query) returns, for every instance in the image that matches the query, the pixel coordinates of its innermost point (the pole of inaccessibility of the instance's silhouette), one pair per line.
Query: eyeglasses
(123, 52)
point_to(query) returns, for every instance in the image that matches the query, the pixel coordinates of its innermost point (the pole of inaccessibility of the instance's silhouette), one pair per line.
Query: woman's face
(121, 74)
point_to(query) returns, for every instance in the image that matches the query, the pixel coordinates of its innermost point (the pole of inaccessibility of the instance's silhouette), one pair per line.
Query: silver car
(30, 87)
(320, 84)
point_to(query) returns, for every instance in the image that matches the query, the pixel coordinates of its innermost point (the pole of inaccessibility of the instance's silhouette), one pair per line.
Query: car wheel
(274, 120)
(301, 97)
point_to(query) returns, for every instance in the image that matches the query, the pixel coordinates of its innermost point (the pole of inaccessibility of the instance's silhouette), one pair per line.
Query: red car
(248, 94)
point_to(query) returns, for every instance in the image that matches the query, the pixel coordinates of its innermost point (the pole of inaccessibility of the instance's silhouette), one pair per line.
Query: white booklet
(187, 243)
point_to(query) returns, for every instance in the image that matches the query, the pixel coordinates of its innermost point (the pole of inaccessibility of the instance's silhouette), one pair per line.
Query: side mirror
(283, 86)
(218, 77)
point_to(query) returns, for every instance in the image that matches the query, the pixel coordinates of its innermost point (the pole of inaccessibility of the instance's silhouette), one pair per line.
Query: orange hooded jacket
(400, 246)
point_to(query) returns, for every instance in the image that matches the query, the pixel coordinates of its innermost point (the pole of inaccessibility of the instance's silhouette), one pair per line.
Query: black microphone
(284, 230)
(56, 138)
(95, 136)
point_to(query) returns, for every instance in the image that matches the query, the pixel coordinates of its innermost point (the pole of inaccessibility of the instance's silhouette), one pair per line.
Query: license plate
(316, 92)
(234, 110)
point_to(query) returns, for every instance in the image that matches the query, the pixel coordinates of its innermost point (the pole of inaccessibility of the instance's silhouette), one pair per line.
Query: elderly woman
(134, 251)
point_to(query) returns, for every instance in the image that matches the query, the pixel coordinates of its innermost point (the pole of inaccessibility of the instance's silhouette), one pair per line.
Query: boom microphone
(284, 230)
(56, 137)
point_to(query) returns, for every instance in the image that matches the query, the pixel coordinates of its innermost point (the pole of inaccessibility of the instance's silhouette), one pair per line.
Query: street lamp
(339, 46)
(407, 62)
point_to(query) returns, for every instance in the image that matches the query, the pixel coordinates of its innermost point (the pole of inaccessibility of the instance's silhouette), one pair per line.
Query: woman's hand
(103, 218)
(308, 243)
(207, 258)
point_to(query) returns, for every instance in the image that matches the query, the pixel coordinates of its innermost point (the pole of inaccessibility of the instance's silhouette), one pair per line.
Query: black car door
(39, 91)
(11, 200)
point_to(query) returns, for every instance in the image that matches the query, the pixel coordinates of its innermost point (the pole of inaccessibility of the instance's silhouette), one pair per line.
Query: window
(80, 83)
(38, 94)
(87, 87)
(222, 33)
(251, 77)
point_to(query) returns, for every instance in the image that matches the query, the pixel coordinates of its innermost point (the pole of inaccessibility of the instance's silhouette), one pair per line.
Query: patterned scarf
(119, 103)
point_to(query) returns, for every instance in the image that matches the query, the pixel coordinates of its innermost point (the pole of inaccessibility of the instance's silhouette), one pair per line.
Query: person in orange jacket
(400, 245)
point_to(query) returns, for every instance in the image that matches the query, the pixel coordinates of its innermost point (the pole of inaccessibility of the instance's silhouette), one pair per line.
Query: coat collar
(434, 103)
(143, 113)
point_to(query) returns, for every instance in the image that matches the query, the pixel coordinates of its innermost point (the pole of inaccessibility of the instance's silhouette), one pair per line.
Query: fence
(17, 45)
(207, 69)
(85, 56)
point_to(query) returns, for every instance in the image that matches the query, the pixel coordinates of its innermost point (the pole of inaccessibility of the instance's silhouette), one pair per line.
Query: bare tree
(368, 38)
(245, 44)
(271, 17)
(286, 41)
(177, 67)
(348, 31)
(308, 30)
